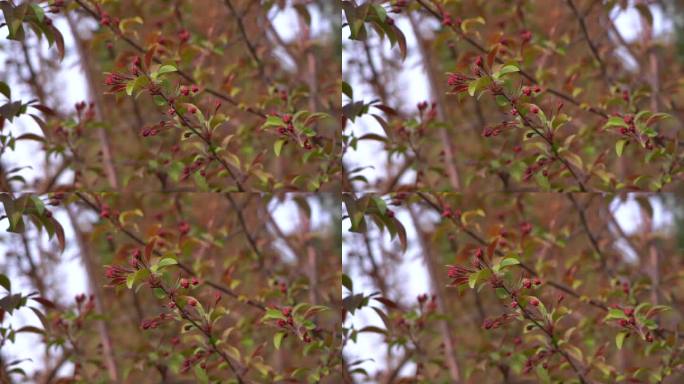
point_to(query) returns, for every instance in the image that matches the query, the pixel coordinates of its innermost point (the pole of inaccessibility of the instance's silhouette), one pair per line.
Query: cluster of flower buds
(447, 213)
(497, 321)
(56, 198)
(56, 6)
(153, 322)
(153, 130)
(459, 274)
(189, 362)
(89, 304)
(117, 274)
(185, 283)
(399, 5)
(185, 90)
(535, 167)
(89, 112)
(105, 19)
(117, 81)
(525, 228)
(398, 198)
(534, 360)
(427, 301)
(289, 130)
(183, 35)
(625, 94)
(105, 211)
(288, 321)
(193, 167)
(631, 131)
(458, 82)
(631, 323)
(136, 259)
(527, 283)
(525, 36)
(282, 286)
(430, 113)
(527, 91)
(183, 227)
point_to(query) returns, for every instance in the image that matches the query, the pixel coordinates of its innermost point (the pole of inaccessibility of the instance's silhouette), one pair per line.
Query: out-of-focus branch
(375, 79)
(91, 270)
(585, 32)
(592, 239)
(245, 230)
(445, 329)
(241, 27)
(94, 95)
(33, 76)
(449, 158)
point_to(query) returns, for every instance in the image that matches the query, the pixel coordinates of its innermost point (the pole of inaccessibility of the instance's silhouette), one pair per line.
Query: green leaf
(380, 204)
(468, 23)
(472, 279)
(620, 339)
(125, 24)
(130, 280)
(380, 12)
(201, 374)
(166, 262)
(38, 203)
(347, 282)
(465, 216)
(278, 146)
(472, 87)
(620, 146)
(278, 339)
(543, 374)
(136, 277)
(272, 313)
(166, 69)
(542, 180)
(5, 90)
(616, 121)
(616, 314)
(135, 85)
(5, 282)
(506, 69)
(347, 90)
(273, 121)
(40, 14)
(508, 261)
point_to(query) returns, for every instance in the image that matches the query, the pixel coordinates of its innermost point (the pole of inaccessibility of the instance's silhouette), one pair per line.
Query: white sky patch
(628, 21)
(413, 279)
(287, 24)
(71, 280)
(412, 87)
(65, 88)
(288, 215)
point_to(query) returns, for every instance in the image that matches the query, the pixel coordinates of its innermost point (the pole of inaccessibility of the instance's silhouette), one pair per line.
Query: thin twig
(243, 32)
(585, 32)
